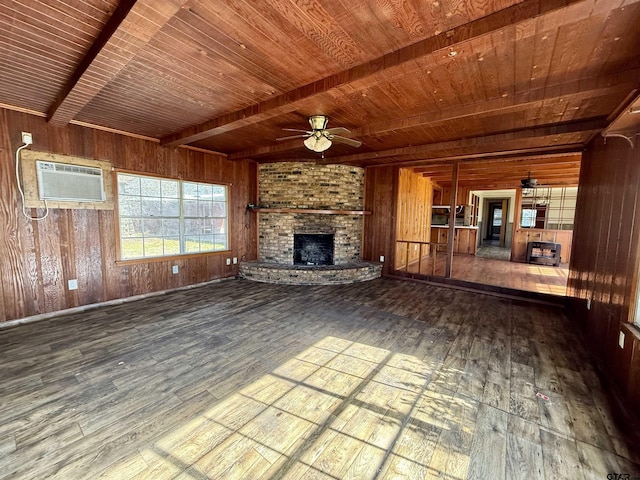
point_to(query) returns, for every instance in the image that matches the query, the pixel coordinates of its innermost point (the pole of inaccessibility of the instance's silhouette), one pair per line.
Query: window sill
(168, 258)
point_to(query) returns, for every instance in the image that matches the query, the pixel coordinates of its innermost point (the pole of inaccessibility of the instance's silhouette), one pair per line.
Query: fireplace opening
(316, 249)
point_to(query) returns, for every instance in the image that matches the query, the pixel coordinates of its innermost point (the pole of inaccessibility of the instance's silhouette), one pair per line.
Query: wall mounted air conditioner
(69, 183)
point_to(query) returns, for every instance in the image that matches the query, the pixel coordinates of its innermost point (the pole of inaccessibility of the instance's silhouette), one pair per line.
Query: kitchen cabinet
(464, 241)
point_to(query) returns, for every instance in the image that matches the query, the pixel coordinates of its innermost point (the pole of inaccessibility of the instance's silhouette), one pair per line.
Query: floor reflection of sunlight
(338, 409)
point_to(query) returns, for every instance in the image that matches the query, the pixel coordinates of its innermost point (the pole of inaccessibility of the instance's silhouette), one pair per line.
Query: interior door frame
(488, 219)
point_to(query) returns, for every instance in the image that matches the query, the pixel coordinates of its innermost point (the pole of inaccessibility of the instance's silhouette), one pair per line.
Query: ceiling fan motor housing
(318, 122)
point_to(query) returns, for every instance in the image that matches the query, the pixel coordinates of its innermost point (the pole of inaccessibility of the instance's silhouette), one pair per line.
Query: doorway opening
(495, 221)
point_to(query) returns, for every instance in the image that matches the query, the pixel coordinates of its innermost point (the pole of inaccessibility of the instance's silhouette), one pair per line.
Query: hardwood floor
(378, 380)
(501, 273)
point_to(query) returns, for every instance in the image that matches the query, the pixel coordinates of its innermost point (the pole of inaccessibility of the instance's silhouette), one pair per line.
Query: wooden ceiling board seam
(15, 66)
(27, 56)
(313, 21)
(523, 57)
(367, 20)
(32, 19)
(507, 72)
(564, 60)
(404, 16)
(171, 86)
(38, 42)
(627, 40)
(78, 22)
(489, 72)
(303, 44)
(542, 54)
(474, 70)
(212, 82)
(229, 50)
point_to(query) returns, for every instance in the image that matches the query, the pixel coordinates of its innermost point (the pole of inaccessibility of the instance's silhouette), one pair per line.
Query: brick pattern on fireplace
(306, 185)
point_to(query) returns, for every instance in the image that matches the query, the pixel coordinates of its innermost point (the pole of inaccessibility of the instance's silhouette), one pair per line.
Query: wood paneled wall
(38, 258)
(604, 260)
(381, 184)
(415, 197)
(413, 217)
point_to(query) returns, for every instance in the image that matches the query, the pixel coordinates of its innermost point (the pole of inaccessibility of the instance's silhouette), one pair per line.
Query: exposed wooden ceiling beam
(525, 10)
(526, 160)
(494, 139)
(131, 26)
(542, 176)
(483, 167)
(508, 151)
(552, 167)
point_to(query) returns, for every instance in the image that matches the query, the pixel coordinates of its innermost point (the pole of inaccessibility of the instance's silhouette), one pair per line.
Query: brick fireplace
(288, 192)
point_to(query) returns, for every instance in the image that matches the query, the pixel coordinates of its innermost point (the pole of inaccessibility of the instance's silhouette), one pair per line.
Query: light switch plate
(382, 258)
(621, 340)
(174, 269)
(73, 284)
(228, 261)
(235, 260)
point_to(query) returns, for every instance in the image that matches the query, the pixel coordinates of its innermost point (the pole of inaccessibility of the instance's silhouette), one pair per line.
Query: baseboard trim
(116, 301)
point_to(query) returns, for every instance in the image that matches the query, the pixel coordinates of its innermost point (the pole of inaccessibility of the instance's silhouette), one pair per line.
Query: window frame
(162, 258)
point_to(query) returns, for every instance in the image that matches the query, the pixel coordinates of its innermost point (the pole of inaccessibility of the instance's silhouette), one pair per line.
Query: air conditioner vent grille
(71, 183)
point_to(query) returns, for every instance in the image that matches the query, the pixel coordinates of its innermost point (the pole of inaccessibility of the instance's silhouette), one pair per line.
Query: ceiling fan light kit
(318, 143)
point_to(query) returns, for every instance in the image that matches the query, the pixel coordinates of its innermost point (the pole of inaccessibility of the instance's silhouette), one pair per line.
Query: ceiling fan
(320, 138)
(528, 182)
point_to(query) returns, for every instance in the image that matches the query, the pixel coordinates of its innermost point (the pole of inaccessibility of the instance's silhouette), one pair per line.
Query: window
(551, 208)
(528, 217)
(163, 217)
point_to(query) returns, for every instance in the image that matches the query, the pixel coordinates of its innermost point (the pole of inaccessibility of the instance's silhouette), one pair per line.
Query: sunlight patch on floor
(338, 409)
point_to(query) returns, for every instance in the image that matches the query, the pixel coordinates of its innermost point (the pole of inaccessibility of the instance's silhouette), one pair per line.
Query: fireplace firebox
(313, 249)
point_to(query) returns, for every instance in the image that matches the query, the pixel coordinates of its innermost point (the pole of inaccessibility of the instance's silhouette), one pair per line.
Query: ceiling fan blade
(297, 130)
(347, 141)
(337, 131)
(290, 137)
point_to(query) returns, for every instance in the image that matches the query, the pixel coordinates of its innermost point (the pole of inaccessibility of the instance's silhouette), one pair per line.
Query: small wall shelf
(308, 210)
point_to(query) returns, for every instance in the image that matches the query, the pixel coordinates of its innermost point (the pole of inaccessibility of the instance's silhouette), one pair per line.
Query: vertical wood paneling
(604, 261)
(415, 194)
(38, 258)
(380, 198)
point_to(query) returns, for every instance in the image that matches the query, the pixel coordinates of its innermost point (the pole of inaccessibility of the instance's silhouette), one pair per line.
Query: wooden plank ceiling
(416, 81)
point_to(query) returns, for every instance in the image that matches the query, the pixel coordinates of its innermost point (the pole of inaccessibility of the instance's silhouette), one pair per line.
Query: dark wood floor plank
(560, 455)
(384, 379)
(488, 453)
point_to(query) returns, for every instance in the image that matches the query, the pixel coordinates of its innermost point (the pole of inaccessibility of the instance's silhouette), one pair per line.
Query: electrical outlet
(27, 138)
(235, 260)
(381, 258)
(174, 269)
(228, 261)
(73, 284)
(621, 340)
(588, 304)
